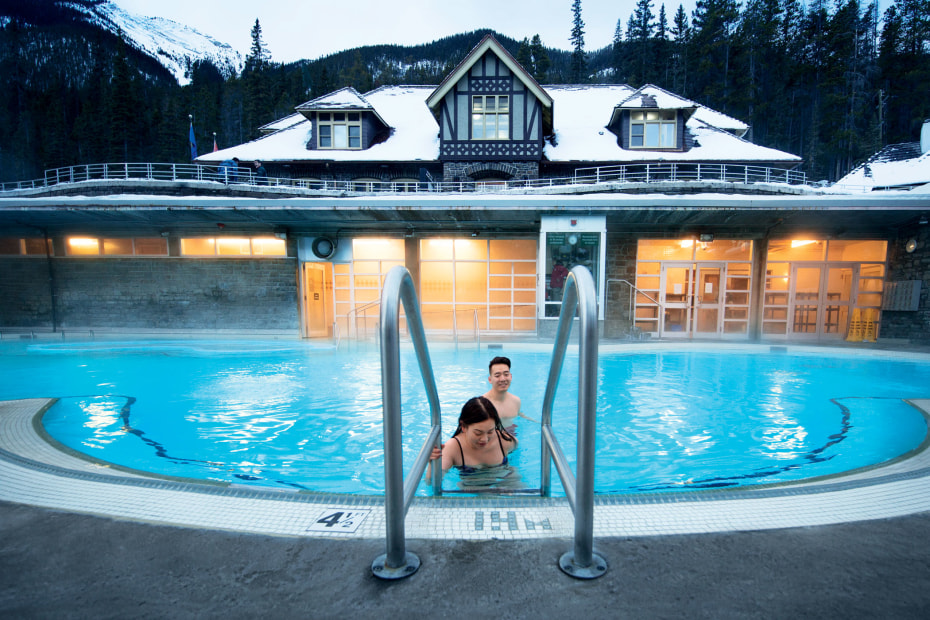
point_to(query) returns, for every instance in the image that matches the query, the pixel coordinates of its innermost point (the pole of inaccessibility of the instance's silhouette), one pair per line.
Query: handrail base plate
(381, 570)
(597, 567)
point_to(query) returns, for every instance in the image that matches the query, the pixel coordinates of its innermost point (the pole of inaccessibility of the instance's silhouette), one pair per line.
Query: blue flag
(193, 142)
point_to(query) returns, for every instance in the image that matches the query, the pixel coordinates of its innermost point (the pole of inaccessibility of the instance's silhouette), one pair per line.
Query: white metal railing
(624, 173)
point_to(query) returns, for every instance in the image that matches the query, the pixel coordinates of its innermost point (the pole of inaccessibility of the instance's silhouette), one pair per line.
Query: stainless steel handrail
(579, 291)
(633, 291)
(397, 563)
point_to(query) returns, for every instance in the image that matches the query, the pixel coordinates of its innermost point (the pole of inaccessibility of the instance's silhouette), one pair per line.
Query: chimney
(925, 137)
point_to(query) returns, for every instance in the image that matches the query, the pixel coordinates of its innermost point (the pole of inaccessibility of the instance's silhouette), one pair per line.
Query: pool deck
(846, 546)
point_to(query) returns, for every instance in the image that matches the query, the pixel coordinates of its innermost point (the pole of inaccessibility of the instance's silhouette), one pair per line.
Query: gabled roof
(343, 99)
(580, 135)
(488, 43)
(652, 97)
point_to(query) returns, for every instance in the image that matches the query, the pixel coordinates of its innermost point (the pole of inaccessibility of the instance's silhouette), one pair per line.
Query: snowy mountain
(173, 45)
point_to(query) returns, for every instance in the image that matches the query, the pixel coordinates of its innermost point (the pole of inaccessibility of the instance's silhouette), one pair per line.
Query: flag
(215, 147)
(193, 142)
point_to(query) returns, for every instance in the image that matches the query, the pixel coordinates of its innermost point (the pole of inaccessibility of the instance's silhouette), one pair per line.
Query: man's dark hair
(499, 360)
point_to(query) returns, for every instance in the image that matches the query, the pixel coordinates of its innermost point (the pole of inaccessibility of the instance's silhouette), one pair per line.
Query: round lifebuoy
(323, 247)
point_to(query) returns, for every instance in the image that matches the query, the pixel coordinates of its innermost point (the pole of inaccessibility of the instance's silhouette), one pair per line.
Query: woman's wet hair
(479, 409)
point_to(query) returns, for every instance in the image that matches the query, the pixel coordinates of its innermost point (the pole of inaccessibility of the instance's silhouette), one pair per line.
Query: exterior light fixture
(706, 237)
(910, 246)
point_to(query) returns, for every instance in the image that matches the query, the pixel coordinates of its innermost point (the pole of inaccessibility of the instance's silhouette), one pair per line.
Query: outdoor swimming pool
(297, 415)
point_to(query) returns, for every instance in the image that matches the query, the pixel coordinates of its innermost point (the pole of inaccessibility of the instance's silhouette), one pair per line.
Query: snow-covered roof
(414, 134)
(282, 123)
(581, 115)
(895, 166)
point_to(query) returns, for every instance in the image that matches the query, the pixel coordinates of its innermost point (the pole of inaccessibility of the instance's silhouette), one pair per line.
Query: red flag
(215, 147)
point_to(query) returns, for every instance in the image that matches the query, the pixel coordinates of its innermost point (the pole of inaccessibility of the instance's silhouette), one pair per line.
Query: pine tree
(540, 58)
(257, 108)
(681, 39)
(578, 66)
(641, 36)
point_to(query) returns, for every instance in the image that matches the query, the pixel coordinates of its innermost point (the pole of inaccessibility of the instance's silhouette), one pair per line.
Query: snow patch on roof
(886, 169)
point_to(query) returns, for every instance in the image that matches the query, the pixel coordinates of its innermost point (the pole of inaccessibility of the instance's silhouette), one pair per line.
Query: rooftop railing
(243, 176)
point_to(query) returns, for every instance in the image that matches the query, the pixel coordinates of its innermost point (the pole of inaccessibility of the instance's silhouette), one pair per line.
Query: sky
(308, 29)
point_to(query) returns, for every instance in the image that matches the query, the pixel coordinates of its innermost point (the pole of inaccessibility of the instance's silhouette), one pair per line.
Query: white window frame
(494, 119)
(654, 129)
(338, 129)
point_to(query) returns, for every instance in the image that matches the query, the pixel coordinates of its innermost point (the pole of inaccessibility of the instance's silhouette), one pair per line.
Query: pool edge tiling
(33, 472)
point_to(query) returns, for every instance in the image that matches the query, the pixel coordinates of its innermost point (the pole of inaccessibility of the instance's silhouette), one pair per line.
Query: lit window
(653, 129)
(339, 130)
(490, 117)
(233, 246)
(83, 246)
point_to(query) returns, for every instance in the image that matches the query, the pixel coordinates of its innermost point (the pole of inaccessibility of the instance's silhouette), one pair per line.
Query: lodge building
(487, 187)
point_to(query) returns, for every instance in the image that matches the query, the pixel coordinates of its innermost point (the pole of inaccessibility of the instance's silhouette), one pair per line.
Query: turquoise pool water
(296, 415)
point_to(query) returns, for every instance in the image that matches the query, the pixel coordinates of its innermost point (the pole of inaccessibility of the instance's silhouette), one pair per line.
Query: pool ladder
(579, 293)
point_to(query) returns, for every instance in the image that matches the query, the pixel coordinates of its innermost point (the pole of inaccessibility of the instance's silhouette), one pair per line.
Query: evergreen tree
(641, 36)
(540, 58)
(681, 40)
(255, 85)
(578, 66)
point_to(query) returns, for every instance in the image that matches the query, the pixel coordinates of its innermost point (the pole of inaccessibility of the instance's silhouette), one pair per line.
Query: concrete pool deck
(81, 539)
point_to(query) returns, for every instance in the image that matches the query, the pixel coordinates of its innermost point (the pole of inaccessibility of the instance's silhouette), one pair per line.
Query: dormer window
(490, 117)
(339, 130)
(653, 129)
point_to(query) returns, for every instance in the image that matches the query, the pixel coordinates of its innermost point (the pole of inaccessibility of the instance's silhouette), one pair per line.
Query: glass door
(805, 300)
(707, 300)
(821, 297)
(318, 300)
(676, 300)
(838, 289)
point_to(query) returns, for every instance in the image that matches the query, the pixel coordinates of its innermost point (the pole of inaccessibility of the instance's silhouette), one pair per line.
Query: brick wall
(145, 293)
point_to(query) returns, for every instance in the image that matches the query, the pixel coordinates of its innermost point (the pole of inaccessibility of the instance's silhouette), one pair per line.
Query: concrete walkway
(64, 565)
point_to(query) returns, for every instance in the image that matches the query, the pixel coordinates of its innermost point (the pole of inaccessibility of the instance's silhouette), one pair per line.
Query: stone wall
(621, 265)
(913, 326)
(466, 171)
(149, 293)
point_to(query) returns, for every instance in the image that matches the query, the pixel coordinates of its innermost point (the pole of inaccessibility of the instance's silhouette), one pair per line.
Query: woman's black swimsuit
(467, 469)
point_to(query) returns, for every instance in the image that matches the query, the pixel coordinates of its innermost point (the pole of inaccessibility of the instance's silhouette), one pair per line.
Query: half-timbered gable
(491, 110)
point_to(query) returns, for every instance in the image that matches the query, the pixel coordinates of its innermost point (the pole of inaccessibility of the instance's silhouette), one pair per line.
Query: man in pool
(507, 404)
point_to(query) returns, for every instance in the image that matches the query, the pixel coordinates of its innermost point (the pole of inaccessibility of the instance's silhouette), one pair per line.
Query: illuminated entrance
(689, 289)
(812, 286)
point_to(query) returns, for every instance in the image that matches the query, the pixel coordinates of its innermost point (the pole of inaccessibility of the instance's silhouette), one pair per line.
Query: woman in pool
(480, 445)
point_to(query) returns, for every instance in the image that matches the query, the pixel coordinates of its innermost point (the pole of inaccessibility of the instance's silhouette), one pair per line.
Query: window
(25, 247)
(127, 246)
(653, 129)
(339, 130)
(490, 117)
(233, 246)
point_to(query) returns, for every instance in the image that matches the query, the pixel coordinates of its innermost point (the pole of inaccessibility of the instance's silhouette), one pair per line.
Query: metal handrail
(397, 563)
(579, 291)
(634, 290)
(621, 173)
(356, 310)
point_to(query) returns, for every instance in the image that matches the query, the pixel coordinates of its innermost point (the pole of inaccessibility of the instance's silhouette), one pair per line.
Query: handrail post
(396, 562)
(580, 293)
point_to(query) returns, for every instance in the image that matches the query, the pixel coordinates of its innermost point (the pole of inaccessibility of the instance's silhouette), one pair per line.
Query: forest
(830, 82)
